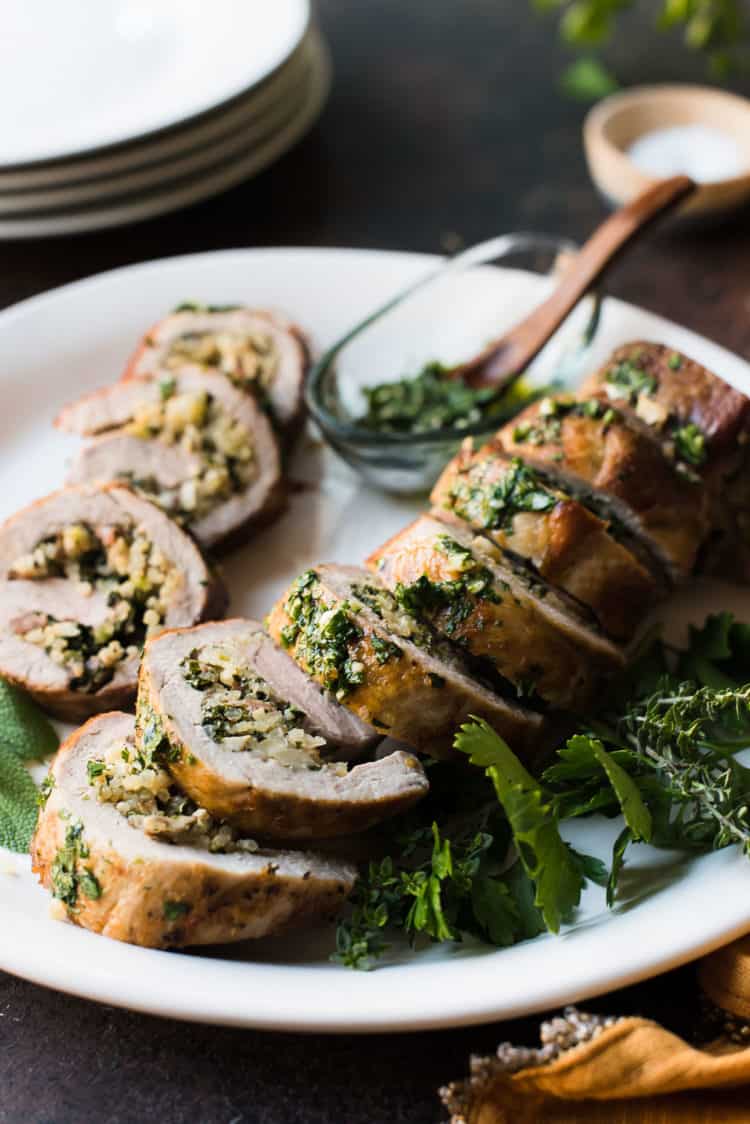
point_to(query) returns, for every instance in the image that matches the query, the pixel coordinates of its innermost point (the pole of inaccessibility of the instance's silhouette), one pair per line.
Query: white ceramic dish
(118, 69)
(89, 173)
(247, 131)
(71, 340)
(220, 174)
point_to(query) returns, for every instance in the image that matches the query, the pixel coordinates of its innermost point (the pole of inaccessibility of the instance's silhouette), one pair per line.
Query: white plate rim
(165, 145)
(212, 181)
(298, 22)
(414, 996)
(246, 130)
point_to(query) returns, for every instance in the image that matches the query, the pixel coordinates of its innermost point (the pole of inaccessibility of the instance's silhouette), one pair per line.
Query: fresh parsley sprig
(427, 892)
(490, 859)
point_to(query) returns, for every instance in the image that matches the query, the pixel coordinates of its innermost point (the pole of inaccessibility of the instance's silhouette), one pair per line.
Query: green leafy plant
(719, 28)
(25, 735)
(487, 856)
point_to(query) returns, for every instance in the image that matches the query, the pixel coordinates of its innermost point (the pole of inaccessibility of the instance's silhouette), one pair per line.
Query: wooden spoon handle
(507, 357)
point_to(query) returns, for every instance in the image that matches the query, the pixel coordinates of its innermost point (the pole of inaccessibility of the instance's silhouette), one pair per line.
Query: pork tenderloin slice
(568, 544)
(700, 421)
(530, 634)
(726, 554)
(390, 670)
(666, 390)
(277, 782)
(163, 469)
(592, 450)
(342, 730)
(191, 593)
(177, 342)
(113, 456)
(117, 880)
(29, 665)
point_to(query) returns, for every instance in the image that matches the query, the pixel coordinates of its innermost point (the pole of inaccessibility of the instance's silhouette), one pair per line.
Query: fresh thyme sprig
(661, 752)
(688, 737)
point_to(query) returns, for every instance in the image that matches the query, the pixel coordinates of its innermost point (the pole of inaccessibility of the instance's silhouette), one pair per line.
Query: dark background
(445, 126)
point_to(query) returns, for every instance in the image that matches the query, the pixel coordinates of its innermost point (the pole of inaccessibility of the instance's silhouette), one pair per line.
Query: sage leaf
(18, 803)
(24, 728)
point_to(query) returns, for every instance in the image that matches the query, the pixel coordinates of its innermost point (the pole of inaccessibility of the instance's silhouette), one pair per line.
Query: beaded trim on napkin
(558, 1036)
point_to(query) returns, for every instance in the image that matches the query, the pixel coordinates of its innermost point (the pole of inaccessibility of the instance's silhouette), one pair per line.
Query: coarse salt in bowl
(641, 135)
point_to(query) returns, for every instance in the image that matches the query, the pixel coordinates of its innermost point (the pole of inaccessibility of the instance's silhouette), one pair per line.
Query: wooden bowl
(615, 123)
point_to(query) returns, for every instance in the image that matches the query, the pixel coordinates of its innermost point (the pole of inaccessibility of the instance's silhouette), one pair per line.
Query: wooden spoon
(507, 357)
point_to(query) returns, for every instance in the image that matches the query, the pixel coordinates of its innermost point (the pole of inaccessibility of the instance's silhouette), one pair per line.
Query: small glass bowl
(421, 324)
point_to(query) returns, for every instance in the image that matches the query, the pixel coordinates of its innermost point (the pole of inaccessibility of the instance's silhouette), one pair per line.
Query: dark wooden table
(445, 126)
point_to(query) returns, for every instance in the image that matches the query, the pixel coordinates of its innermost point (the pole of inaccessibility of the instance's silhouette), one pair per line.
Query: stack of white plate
(113, 111)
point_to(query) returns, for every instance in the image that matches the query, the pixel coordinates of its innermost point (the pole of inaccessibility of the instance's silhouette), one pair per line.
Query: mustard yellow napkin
(592, 1069)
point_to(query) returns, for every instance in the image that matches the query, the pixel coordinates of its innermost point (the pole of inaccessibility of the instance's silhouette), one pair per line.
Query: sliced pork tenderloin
(534, 637)
(569, 545)
(702, 420)
(594, 452)
(129, 856)
(86, 574)
(259, 351)
(192, 443)
(345, 629)
(703, 424)
(223, 706)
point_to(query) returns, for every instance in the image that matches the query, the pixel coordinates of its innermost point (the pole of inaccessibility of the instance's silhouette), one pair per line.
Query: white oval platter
(56, 346)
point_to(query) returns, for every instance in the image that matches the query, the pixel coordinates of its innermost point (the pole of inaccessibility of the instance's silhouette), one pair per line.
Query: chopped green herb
(630, 380)
(433, 400)
(323, 636)
(90, 885)
(384, 650)
(240, 707)
(45, 790)
(153, 743)
(494, 503)
(546, 428)
(67, 876)
(690, 444)
(174, 911)
(94, 768)
(167, 387)
(449, 603)
(675, 361)
(197, 306)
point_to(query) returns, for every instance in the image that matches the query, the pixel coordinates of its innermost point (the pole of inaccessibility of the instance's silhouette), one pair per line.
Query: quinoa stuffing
(244, 357)
(143, 792)
(241, 711)
(132, 573)
(223, 461)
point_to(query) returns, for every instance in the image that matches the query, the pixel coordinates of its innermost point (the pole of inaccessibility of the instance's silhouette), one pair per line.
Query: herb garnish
(631, 380)
(175, 911)
(25, 735)
(454, 600)
(495, 503)
(322, 636)
(690, 444)
(67, 876)
(432, 400)
(385, 650)
(660, 752)
(546, 426)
